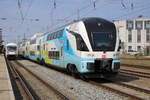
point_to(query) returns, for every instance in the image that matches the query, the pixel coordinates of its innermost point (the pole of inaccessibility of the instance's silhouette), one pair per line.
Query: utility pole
(1, 40)
(78, 14)
(18, 39)
(24, 38)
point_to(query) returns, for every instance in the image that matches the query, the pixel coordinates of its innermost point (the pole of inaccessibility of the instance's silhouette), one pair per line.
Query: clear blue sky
(54, 13)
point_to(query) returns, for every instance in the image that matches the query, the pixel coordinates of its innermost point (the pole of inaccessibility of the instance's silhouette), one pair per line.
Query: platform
(6, 91)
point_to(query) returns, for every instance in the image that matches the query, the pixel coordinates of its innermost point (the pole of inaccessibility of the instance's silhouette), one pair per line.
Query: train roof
(11, 44)
(93, 19)
(88, 19)
(36, 35)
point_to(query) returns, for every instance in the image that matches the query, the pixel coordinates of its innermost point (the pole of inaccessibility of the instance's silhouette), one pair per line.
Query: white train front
(87, 46)
(11, 50)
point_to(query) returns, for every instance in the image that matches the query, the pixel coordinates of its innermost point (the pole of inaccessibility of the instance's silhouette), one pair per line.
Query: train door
(40, 50)
(61, 53)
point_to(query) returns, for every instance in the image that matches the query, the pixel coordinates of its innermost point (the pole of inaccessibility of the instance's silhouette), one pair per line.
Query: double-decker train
(88, 47)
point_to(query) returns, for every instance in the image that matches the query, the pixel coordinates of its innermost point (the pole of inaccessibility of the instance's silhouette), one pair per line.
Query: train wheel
(73, 70)
(43, 62)
(84, 78)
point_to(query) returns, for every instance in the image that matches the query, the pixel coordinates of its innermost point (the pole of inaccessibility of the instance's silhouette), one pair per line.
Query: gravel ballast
(73, 88)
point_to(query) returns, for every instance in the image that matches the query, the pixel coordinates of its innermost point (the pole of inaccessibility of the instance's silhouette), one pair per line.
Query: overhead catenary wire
(85, 10)
(130, 13)
(123, 5)
(28, 9)
(79, 10)
(19, 3)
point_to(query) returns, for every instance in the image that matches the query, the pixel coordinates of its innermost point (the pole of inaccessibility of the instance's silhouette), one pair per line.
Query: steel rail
(136, 66)
(134, 73)
(148, 59)
(131, 86)
(116, 91)
(21, 81)
(64, 97)
(113, 90)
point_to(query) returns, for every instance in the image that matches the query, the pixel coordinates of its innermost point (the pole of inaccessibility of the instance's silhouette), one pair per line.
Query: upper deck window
(55, 35)
(33, 41)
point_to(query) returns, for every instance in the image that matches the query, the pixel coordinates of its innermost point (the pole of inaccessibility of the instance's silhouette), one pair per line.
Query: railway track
(117, 87)
(124, 89)
(131, 91)
(135, 73)
(148, 59)
(136, 66)
(61, 95)
(30, 95)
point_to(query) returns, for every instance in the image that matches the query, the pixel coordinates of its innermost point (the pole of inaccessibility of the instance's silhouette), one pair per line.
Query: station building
(134, 35)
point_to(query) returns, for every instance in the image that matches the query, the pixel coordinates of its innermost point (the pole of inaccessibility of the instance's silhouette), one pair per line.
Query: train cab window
(81, 46)
(80, 43)
(9, 48)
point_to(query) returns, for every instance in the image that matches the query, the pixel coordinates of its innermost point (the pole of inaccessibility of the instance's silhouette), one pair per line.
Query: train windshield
(103, 41)
(101, 33)
(11, 48)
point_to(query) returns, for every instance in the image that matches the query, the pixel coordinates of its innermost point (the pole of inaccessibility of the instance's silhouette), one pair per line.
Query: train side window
(44, 47)
(49, 37)
(54, 37)
(58, 34)
(38, 47)
(50, 54)
(53, 54)
(57, 54)
(67, 44)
